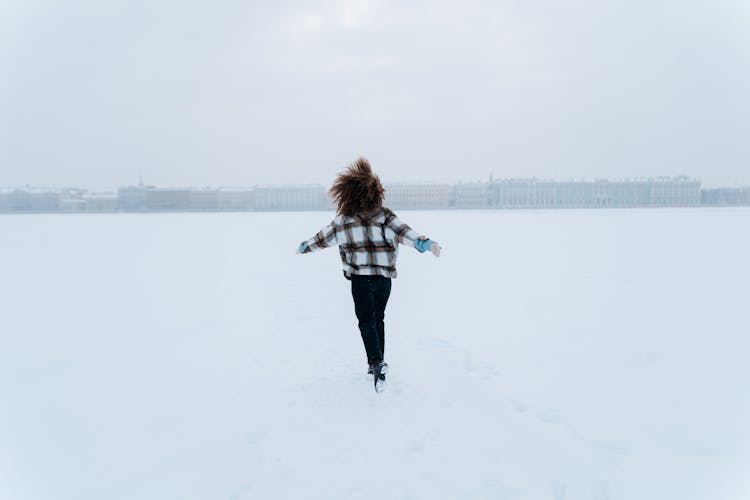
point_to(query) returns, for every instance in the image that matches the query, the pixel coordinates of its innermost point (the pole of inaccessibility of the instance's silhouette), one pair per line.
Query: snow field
(582, 355)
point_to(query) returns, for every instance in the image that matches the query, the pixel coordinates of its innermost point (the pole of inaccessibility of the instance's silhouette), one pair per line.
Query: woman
(368, 236)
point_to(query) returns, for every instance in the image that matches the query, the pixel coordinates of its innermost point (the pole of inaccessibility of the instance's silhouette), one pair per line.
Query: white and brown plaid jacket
(367, 244)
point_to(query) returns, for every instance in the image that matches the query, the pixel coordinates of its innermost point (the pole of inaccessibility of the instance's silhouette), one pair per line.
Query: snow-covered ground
(546, 355)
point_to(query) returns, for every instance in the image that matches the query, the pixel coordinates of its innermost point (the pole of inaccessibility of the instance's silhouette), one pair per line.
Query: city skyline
(532, 193)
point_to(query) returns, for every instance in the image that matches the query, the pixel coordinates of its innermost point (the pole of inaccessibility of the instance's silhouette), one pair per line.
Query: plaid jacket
(367, 244)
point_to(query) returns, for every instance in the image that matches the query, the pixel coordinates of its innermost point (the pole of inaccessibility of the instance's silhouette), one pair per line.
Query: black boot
(369, 368)
(378, 372)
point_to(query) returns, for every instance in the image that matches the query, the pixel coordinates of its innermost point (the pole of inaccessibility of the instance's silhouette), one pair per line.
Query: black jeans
(370, 295)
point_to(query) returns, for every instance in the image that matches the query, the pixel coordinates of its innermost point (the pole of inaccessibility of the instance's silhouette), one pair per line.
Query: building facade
(417, 196)
(471, 195)
(235, 199)
(29, 200)
(291, 197)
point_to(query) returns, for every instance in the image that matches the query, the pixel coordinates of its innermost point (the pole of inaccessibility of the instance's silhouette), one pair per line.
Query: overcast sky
(97, 93)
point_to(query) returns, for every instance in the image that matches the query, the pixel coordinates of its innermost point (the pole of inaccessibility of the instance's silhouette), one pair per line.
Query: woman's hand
(435, 249)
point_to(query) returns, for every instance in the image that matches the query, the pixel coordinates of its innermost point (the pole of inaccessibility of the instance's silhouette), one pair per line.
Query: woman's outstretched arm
(406, 235)
(322, 239)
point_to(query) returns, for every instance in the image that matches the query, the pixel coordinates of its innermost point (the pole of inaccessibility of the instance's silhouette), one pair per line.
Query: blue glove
(302, 247)
(422, 245)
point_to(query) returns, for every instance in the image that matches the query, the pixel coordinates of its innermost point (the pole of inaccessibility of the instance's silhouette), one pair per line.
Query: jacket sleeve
(323, 239)
(402, 233)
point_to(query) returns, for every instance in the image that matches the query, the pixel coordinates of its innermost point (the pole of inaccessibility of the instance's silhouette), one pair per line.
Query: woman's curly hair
(357, 190)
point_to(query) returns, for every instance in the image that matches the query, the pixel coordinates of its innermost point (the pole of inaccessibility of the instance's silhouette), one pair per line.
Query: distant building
(168, 199)
(132, 199)
(73, 205)
(14, 200)
(100, 202)
(627, 193)
(235, 199)
(140, 198)
(523, 193)
(471, 195)
(203, 199)
(44, 200)
(29, 200)
(417, 196)
(535, 193)
(576, 194)
(675, 191)
(291, 197)
(725, 196)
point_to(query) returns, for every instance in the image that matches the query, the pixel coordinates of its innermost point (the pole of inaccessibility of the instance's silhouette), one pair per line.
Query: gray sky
(95, 93)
